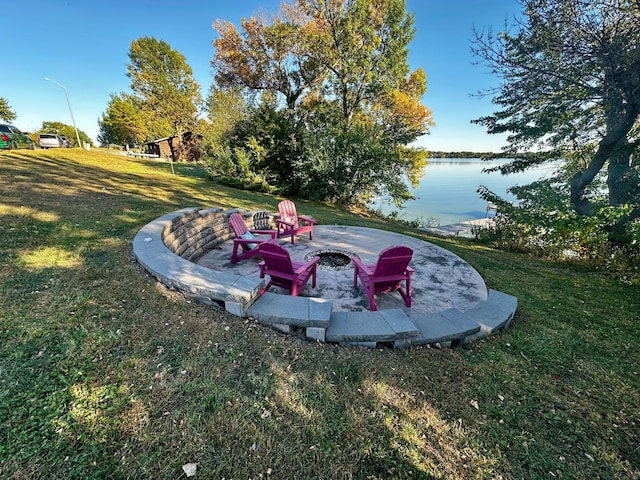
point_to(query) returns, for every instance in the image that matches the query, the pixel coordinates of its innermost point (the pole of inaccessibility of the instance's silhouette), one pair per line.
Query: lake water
(448, 191)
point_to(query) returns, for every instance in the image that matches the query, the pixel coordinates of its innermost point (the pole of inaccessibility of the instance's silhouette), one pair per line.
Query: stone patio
(190, 250)
(447, 293)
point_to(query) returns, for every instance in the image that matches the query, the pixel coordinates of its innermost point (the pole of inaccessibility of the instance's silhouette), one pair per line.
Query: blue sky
(84, 46)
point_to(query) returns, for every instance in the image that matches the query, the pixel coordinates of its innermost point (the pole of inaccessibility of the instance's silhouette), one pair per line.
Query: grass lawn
(106, 374)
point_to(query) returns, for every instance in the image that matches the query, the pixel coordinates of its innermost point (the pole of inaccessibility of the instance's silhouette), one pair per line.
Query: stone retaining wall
(196, 231)
(169, 246)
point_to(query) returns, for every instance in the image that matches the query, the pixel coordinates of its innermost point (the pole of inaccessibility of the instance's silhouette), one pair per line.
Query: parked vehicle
(11, 138)
(50, 140)
(65, 141)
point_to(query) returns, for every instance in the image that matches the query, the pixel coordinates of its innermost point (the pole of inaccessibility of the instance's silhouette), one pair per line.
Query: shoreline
(460, 229)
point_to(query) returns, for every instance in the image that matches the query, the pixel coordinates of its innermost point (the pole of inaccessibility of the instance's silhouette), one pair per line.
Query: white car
(50, 140)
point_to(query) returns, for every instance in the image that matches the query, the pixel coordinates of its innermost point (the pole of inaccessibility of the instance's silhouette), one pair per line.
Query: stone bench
(168, 247)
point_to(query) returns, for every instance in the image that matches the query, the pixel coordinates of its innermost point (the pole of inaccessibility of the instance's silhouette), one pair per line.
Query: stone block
(320, 312)
(316, 333)
(273, 308)
(282, 327)
(234, 308)
(443, 326)
(401, 324)
(359, 327)
(495, 313)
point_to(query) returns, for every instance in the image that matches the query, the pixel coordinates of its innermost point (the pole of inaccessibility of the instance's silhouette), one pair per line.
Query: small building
(186, 149)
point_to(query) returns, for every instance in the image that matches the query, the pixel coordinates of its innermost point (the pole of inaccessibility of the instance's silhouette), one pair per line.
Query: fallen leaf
(474, 404)
(190, 469)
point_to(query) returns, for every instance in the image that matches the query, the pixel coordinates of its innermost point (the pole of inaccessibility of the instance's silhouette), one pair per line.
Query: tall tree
(6, 114)
(162, 79)
(363, 44)
(226, 108)
(571, 88)
(351, 102)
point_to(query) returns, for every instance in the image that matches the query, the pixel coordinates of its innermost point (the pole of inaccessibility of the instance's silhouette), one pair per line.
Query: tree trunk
(580, 181)
(619, 165)
(613, 147)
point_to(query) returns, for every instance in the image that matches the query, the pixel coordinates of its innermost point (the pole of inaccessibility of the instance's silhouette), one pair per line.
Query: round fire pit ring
(332, 260)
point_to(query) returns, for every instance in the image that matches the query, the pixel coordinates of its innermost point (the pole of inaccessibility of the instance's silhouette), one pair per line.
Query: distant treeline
(464, 154)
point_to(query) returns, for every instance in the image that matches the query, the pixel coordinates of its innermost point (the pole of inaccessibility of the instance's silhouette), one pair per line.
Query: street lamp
(70, 111)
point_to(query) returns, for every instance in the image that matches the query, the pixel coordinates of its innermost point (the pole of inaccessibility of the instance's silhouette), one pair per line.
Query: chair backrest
(237, 225)
(287, 210)
(393, 261)
(276, 258)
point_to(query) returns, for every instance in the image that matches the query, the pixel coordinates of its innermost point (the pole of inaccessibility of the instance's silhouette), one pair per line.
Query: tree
(123, 123)
(362, 44)
(6, 114)
(271, 139)
(225, 108)
(351, 104)
(571, 90)
(163, 81)
(265, 57)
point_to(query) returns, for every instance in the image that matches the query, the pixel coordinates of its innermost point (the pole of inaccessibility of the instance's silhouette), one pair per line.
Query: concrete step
(493, 315)
(275, 309)
(367, 328)
(370, 327)
(447, 326)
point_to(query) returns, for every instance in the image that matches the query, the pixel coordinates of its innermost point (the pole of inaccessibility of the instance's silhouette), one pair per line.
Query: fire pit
(332, 260)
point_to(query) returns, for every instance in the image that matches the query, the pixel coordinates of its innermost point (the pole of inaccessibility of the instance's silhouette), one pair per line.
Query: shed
(185, 149)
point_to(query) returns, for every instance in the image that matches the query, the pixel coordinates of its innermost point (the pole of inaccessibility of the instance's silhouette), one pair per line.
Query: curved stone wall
(168, 246)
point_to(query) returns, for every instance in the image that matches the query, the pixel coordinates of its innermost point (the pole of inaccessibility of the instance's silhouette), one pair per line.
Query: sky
(84, 45)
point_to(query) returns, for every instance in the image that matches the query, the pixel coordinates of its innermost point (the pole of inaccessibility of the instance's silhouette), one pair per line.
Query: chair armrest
(410, 271)
(284, 222)
(304, 267)
(251, 240)
(368, 269)
(304, 218)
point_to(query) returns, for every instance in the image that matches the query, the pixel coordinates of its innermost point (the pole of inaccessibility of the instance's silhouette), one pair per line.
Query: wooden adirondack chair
(387, 275)
(292, 224)
(283, 272)
(245, 239)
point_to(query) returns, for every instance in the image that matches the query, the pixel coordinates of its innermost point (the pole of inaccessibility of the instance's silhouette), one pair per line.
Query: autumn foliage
(336, 73)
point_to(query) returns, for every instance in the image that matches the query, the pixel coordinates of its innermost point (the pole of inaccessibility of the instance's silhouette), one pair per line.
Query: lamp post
(70, 111)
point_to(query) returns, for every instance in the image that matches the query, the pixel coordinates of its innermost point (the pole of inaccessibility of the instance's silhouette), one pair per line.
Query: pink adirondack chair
(386, 275)
(292, 224)
(283, 272)
(245, 239)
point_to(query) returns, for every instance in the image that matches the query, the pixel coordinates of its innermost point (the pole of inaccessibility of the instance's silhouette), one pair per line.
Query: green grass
(106, 374)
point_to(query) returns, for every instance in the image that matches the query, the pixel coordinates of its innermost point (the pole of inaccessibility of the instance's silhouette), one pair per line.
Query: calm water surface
(448, 190)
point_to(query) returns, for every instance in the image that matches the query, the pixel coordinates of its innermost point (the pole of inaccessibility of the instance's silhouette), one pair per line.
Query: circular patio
(442, 280)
